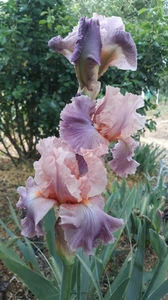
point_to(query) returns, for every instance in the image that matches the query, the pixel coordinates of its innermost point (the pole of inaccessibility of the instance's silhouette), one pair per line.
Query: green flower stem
(65, 293)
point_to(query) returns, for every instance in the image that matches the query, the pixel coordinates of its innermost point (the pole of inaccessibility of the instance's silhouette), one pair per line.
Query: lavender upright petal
(86, 55)
(88, 42)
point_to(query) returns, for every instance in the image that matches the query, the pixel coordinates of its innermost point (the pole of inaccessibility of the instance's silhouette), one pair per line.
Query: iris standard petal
(82, 165)
(108, 24)
(76, 127)
(36, 206)
(119, 51)
(88, 42)
(56, 173)
(125, 57)
(95, 180)
(86, 55)
(116, 115)
(122, 162)
(86, 224)
(118, 48)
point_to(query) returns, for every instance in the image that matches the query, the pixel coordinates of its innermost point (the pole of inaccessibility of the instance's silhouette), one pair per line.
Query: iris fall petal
(86, 224)
(76, 127)
(122, 162)
(31, 199)
(116, 115)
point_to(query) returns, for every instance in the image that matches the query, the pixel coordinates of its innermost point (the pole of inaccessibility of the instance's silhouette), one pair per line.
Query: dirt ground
(12, 177)
(11, 288)
(160, 136)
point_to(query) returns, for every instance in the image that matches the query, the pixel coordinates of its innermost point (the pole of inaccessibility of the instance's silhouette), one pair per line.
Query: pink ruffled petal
(57, 172)
(116, 114)
(100, 151)
(76, 128)
(122, 162)
(46, 145)
(92, 183)
(36, 207)
(86, 224)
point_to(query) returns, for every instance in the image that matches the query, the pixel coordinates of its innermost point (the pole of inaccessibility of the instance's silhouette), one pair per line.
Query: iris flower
(89, 124)
(93, 46)
(74, 185)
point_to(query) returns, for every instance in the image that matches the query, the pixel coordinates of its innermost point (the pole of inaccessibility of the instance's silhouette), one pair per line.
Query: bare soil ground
(12, 177)
(11, 288)
(160, 136)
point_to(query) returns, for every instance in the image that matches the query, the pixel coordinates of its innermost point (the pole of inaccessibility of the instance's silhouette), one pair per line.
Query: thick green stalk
(65, 293)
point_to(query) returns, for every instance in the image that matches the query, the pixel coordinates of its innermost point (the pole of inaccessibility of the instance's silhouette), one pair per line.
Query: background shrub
(35, 83)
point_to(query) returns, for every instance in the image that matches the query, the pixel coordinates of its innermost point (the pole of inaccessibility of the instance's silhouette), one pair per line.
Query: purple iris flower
(93, 125)
(63, 180)
(93, 46)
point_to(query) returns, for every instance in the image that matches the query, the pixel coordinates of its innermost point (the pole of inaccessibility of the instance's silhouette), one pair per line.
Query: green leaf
(2, 40)
(121, 277)
(118, 293)
(14, 216)
(135, 284)
(161, 267)
(42, 22)
(86, 284)
(158, 244)
(49, 224)
(4, 248)
(26, 251)
(56, 270)
(144, 204)
(123, 189)
(158, 277)
(142, 10)
(90, 274)
(31, 255)
(78, 280)
(125, 214)
(160, 292)
(39, 285)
